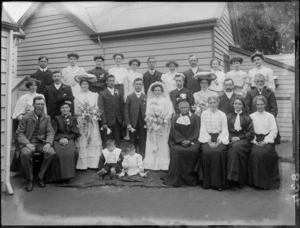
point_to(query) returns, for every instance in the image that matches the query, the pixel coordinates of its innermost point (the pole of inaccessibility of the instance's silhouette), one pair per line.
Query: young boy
(110, 160)
(133, 162)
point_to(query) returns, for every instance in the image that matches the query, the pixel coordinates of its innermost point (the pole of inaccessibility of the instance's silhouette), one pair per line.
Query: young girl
(110, 160)
(133, 163)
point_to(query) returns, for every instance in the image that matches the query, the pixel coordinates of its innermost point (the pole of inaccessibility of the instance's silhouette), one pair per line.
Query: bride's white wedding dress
(157, 155)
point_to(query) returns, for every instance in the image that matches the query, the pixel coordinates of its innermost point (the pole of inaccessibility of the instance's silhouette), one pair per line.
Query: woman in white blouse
(69, 73)
(24, 104)
(214, 138)
(131, 76)
(217, 85)
(168, 79)
(263, 161)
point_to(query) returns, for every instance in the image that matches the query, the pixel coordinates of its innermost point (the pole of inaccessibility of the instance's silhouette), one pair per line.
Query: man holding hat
(100, 74)
(44, 75)
(258, 58)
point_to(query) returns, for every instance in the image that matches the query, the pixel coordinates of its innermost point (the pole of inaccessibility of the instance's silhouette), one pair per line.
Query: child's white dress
(133, 164)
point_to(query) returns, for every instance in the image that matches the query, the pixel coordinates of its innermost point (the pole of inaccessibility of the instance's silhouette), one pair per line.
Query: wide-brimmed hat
(257, 54)
(205, 76)
(85, 77)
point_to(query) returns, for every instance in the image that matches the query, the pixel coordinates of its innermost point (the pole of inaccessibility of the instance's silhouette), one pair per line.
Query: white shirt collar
(152, 71)
(229, 94)
(43, 69)
(179, 89)
(111, 90)
(57, 86)
(194, 69)
(138, 94)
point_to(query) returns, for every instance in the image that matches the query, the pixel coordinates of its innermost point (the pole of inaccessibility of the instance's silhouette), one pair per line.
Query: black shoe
(42, 183)
(29, 186)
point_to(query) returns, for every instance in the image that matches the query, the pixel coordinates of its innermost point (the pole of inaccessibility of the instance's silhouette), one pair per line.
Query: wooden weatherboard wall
(223, 36)
(49, 32)
(286, 80)
(4, 70)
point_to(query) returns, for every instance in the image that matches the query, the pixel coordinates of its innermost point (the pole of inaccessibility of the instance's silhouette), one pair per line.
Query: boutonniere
(63, 87)
(182, 96)
(64, 95)
(117, 92)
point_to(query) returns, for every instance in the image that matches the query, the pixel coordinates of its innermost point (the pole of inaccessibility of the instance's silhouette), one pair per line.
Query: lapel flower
(182, 96)
(117, 92)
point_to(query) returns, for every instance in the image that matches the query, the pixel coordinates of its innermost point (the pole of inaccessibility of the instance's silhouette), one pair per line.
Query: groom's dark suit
(112, 107)
(135, 109)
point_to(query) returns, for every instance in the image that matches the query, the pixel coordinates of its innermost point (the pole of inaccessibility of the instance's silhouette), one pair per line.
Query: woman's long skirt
(263, 167)
(237, 161)
(182, 165)
(211, 167)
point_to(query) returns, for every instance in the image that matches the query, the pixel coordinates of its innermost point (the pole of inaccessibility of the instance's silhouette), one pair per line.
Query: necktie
(237, 123)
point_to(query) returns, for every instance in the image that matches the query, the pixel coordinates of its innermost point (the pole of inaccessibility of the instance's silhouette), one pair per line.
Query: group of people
(204, 127)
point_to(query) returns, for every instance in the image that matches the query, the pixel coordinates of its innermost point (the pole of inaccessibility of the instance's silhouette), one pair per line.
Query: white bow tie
(183, 120)
(237, 123)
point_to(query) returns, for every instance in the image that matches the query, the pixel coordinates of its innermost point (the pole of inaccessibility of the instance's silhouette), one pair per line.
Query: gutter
(8, 115)
(157, 29)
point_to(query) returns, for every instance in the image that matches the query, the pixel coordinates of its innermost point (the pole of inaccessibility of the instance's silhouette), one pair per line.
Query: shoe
(42, 183)
(101, 172)
(29, 186)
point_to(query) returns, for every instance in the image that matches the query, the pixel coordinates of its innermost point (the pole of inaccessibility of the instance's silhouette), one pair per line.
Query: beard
(39, 111)
(228, 90)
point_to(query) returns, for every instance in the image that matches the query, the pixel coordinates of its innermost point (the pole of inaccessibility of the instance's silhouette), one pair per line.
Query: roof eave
(24, 19)
(10, 26)
(267, 60)
(210, 23)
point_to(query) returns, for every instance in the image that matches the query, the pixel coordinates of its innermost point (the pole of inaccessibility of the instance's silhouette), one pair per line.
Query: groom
(111, 103)
(135, 109)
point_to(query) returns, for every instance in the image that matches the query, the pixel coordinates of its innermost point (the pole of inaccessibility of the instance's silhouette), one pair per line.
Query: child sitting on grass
(110, 161)
(133, 163)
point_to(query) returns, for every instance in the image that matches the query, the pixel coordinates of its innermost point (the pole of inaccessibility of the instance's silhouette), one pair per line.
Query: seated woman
(184, 147)
(66, 131)
(211, 166)
(240, 129)
(263, 161)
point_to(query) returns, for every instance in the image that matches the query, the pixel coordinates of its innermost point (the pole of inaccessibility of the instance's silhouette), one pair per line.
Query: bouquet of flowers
(199, 107)
(157, 121)
(87, 115)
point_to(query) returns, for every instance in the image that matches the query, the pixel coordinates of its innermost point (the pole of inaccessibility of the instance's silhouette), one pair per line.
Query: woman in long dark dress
(184, 148)
(66, 130)
(263, 161)
(211, 166)
(241, 133)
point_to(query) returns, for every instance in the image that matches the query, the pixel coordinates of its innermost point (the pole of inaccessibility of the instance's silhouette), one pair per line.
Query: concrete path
(150, 206)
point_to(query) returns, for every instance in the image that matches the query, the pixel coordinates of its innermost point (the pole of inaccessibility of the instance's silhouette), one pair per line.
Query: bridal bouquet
(156, 121)
(87, 114)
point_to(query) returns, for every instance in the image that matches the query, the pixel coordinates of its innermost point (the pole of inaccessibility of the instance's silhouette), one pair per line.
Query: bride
(158, 117)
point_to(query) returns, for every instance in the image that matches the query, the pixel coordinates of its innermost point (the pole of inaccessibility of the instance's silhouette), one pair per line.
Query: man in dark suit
(260, 89)
(111, 103)
(151, 75)
(226, 99)
(190, 83)
(99, 85)
(55, 92)
(35, 133)
(44, 75)
(135, 109)
(176, 93)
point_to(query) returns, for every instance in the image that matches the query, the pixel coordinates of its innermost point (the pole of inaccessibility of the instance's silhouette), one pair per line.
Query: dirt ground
(111, 205)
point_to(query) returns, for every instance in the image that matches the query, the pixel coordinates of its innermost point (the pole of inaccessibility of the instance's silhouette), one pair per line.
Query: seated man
(35, 134)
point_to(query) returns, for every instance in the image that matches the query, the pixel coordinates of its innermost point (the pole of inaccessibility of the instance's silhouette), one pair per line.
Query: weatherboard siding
(223, 36)
(286, 81)
(4, 64)
(50, 33)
